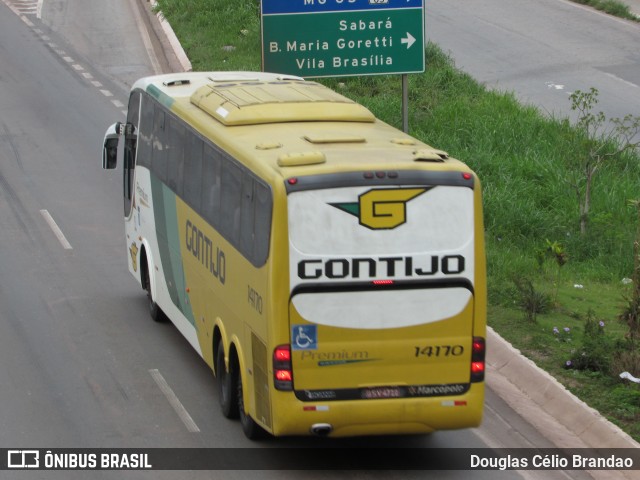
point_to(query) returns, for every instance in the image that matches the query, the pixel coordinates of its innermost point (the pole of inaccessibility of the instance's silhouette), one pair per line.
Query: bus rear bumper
(380, 416)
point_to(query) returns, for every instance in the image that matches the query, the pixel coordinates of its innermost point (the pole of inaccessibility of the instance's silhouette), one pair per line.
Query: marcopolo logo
(381, 208)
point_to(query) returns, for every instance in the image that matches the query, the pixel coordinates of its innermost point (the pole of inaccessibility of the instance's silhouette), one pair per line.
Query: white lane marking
(25, 7)
(18, 13)
(631, 84)
(32, 4)
(56, 230)
(30, 7)
(174, 401)
(555, 86)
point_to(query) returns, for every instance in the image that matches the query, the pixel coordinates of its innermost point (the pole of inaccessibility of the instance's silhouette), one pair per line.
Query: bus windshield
(345, 240)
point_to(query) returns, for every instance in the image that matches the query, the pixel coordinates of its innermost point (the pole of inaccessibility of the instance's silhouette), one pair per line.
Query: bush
(595, 353)
(531, 301)
(626, 359)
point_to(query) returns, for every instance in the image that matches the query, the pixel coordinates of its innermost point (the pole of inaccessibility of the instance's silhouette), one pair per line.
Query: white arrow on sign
(409, 40)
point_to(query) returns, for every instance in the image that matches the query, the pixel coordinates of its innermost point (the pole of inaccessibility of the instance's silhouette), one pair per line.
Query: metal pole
(405, 103)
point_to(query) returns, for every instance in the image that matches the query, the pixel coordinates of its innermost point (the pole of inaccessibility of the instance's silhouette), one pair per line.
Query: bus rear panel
(381, 308)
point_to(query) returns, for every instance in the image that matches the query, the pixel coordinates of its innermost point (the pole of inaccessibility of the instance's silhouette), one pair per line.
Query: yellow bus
(329, 268)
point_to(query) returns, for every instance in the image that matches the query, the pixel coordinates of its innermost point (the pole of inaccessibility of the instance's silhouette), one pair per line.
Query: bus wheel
(227, 387)
(250, 428)
(154, 310)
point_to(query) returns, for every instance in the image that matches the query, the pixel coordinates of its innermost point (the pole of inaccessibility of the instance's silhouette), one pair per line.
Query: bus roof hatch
(252, 103)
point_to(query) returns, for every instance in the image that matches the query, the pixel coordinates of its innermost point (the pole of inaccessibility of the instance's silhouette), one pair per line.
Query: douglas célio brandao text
(550, 462)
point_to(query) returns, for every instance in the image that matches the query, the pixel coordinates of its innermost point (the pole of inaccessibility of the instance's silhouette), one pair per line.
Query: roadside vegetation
(612, 7)
(563, 281)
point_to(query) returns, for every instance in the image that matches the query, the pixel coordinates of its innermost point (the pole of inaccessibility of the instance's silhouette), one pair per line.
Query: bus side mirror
(110, 147)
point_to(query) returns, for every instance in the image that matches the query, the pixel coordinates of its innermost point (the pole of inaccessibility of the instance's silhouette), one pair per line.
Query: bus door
(115, 150)
(130, 147)
(382, 294)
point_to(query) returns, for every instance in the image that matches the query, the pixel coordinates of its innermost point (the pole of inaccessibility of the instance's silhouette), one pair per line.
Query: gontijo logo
(381, 208)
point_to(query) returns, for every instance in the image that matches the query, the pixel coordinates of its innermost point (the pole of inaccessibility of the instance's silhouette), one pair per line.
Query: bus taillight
(477, 359)
(282, 368)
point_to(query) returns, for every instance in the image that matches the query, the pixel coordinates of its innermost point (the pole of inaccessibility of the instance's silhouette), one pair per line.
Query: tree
(631, 314)
(598, 144)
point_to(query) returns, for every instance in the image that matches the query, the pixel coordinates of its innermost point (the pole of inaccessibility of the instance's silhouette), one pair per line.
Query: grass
(526, 162)
(612, 7)
(618, 401)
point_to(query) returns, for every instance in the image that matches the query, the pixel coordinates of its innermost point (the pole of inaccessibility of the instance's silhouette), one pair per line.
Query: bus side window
(263, 207)
(211, 185)
(145, 132)
(230, 204)
(193, 172)
(175, 158)
(247, 217)
(159, 157)
(129, 163)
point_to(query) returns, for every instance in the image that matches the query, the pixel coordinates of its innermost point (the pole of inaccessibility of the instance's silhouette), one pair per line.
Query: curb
(553, 398)
(179, 52)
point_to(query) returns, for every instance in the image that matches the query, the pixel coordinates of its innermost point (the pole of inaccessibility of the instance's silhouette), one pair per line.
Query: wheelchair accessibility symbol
(304, 337)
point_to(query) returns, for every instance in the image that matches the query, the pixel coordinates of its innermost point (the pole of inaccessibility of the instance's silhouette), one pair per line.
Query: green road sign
(333, 44)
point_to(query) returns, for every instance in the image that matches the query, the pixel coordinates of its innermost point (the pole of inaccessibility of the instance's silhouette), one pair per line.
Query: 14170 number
(439, 351)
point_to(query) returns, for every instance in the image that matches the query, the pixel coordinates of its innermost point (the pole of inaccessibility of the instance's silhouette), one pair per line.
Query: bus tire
(155, 311)
(227, 386)
(250, 428)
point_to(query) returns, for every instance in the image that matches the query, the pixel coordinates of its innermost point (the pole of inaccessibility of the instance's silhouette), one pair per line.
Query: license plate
(381, 392)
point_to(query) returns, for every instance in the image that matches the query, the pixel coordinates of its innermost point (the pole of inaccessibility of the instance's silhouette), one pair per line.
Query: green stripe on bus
(162, 97)
(166, 219)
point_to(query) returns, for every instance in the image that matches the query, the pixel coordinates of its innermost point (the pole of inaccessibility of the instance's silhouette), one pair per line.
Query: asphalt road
(80, 361)
(542, 51)
(102, 34)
